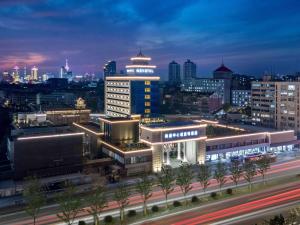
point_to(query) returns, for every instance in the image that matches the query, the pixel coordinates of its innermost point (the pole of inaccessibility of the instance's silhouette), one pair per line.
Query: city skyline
(251, 38)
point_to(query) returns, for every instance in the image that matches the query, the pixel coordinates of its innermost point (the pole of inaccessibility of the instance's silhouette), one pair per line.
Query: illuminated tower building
(140, 65)
(6, 77)
(134, 93)
(189, 70)
(34, 73)
(16, 74)
(23, 75)
(110, 68)
(65, 72)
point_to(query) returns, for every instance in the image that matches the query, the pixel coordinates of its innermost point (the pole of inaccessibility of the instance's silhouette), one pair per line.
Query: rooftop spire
(67, 65)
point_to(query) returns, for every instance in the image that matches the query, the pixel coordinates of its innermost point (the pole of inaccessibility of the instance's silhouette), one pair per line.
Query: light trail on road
(242, 208)
(158, 195)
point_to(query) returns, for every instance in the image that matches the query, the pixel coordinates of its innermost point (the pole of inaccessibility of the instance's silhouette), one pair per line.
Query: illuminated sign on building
(139, 70)
(181, 134)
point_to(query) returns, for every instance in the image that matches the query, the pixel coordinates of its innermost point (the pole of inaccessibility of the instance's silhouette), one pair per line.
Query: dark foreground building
(45, 151)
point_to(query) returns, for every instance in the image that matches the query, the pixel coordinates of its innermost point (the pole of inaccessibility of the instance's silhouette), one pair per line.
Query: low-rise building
(45, 151)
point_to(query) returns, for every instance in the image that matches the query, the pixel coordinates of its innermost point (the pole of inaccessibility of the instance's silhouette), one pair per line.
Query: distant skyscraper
(23, 76)
(65, 72)
(6, 77)
(110, 68)
(34, 73)
(16, 74)
(189, 70)
(174, 73)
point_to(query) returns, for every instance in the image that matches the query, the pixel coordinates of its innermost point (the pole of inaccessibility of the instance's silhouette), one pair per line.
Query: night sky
(252, 36)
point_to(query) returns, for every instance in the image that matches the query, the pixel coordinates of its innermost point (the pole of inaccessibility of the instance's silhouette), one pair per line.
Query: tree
(34, 197)
(263, 164)
(97, 202)
(204, 175)
(165, 181)
(69, 204)
(121, 196)
(144, 188)
(184, 179)
(276, 220)
(220, 174)
(249, 172)
(236, 172)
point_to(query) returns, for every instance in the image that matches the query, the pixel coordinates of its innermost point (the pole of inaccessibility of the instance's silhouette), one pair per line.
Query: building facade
(263, 105)
(189, 70)
(174, 73)
(276, 104)
(218, 87)
(127, 95)
(110, 68)
(45, 151)
(241, 98)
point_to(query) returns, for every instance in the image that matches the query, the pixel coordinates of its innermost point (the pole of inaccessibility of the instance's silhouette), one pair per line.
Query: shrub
(213, 194)
(176, 204)
(80, 222)
(229, 191)
(131, 213)
(195, 199)
(155, 208)
(108, 219)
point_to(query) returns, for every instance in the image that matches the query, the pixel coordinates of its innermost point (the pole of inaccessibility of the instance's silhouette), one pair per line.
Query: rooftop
(173, 124)
(223, 68)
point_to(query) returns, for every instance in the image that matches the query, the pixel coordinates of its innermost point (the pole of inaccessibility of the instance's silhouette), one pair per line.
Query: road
(48, 213)
(234, 211)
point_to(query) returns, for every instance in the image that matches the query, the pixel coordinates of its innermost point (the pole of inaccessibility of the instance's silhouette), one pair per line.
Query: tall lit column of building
(189, 70)
(132, 94)
(34, 73)
(65, 72)
(128, 95)
(174, 73)
(16, 74)
(140, 65)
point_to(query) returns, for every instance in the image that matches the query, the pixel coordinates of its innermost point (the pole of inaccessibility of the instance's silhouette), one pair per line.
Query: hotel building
(134, 93)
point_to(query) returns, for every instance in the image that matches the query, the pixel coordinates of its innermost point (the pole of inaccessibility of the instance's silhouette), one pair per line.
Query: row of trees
(166, 180)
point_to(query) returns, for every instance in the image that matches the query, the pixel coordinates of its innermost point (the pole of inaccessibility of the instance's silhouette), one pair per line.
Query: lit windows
(147, 111)
(147, 104)
(147, 96)
(147, 89)
(147, 82)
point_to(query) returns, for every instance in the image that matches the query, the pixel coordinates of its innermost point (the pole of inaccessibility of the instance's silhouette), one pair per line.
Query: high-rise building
(189, 70)
(130, 94)
(263, 105)
(34, 73)
(276, 104)
(16, 74)
(140, 65)
(174, 73)
(65, 72)
(6, 77)
(110, 68)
